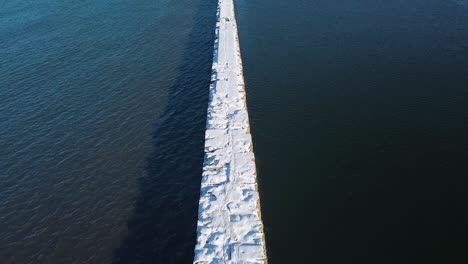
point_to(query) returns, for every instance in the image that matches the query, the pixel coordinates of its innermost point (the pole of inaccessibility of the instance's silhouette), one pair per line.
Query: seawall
(230, 228)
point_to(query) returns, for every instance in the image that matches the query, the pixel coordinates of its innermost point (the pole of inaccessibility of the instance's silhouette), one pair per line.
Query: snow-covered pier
(230, 228)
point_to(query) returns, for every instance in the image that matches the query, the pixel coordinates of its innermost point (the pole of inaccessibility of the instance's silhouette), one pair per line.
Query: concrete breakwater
(230, 228)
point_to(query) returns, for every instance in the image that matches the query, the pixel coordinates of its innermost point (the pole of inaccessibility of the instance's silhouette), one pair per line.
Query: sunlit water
(102, 113)
(359, 115)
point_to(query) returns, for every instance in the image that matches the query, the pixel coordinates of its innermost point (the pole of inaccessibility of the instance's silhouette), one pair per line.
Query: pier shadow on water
(162, 228)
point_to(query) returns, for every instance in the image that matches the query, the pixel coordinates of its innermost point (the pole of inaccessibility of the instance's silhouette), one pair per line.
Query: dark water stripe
(359, 117)
(163, 226)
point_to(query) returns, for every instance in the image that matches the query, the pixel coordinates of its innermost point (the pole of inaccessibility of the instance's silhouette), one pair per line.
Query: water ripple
(102, 115)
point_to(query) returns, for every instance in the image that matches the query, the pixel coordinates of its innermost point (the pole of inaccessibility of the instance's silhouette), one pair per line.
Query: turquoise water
(102, 114)
(359, 116)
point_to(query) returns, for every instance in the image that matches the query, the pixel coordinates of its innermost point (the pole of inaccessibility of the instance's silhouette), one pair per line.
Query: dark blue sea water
(102, 116)
(359, 115)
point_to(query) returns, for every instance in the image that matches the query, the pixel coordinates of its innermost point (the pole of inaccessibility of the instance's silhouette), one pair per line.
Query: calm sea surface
(359, 115)
(102, 116)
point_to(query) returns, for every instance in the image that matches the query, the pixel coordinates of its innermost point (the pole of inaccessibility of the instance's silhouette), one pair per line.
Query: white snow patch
(229, 228)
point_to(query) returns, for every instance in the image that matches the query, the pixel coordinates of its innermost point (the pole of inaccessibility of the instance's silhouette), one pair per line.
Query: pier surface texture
(230, 228)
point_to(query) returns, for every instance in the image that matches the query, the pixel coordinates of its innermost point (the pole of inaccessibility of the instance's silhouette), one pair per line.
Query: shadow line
(162, 228)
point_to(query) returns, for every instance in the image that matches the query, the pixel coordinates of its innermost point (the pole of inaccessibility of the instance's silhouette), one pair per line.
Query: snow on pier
(230, 228)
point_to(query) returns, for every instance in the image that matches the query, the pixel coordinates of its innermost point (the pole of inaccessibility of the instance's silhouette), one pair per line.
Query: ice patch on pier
(229, 228)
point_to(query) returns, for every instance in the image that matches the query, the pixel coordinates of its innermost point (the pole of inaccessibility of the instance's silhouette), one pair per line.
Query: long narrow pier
(230, 228)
